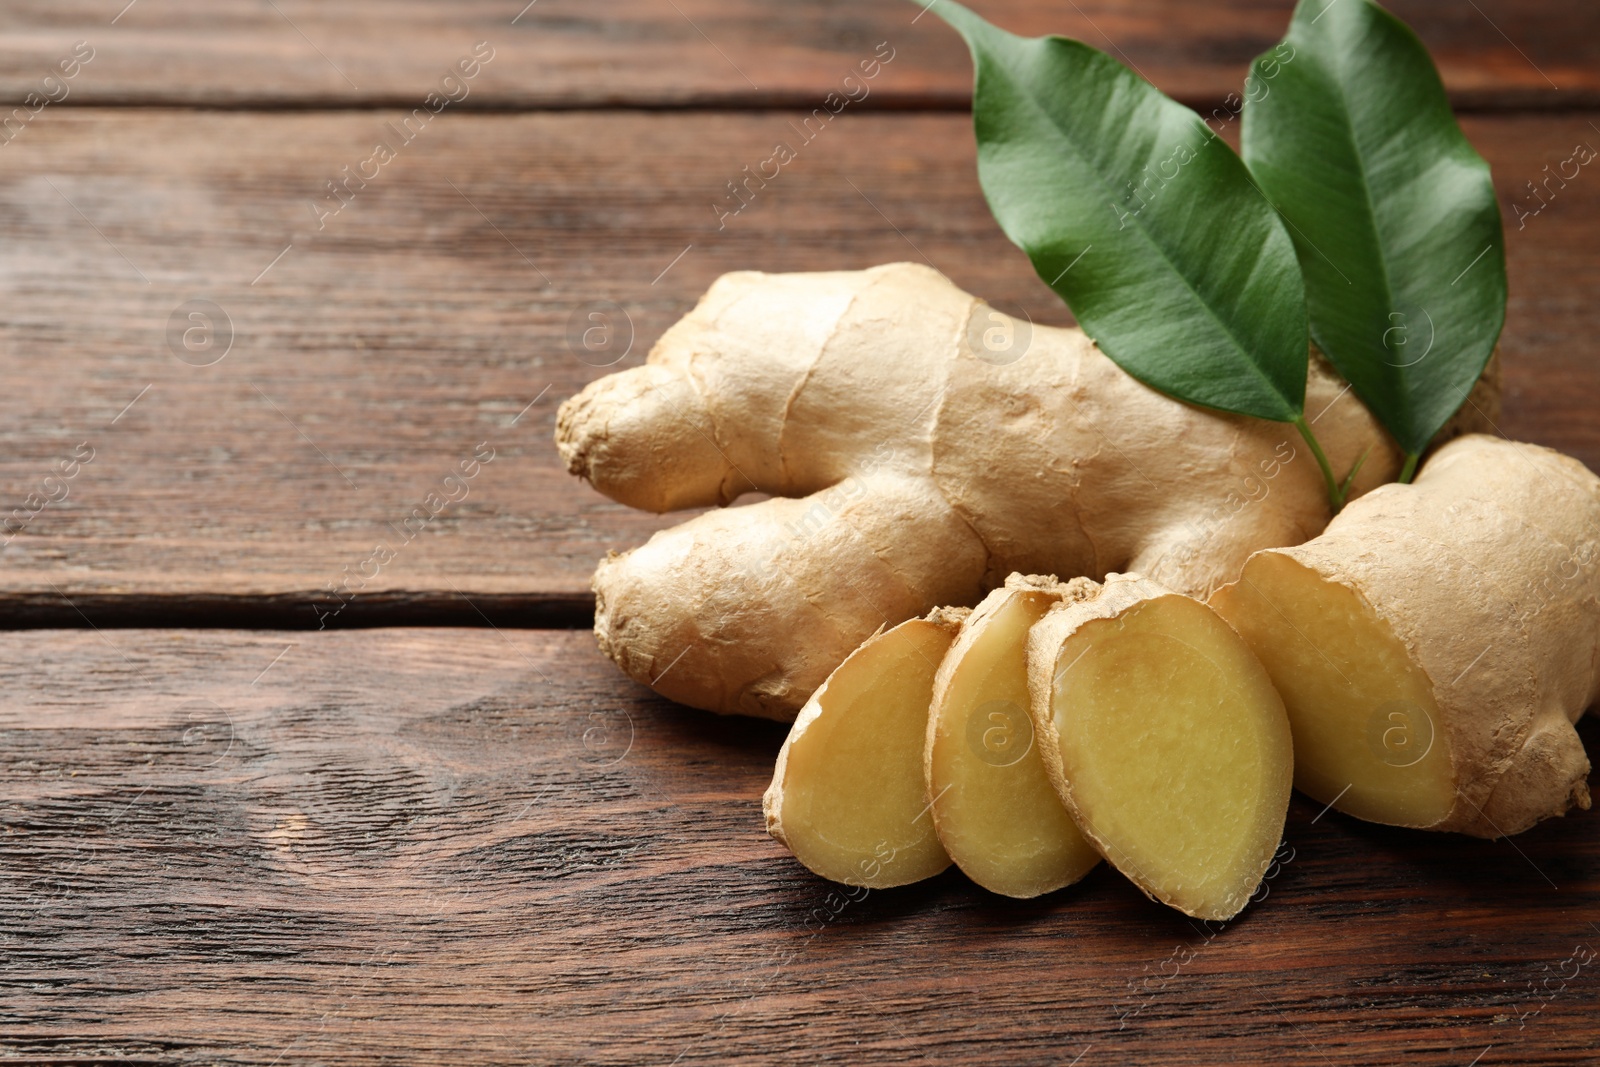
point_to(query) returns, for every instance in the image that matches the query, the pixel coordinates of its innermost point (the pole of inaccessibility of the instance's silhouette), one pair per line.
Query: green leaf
(1141, 218)
(1393, 214)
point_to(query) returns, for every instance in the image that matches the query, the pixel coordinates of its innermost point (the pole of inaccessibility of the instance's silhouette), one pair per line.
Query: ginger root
(1165, 739)
(919, 446)
(996, 811)
(1435, 644)
(848, 796)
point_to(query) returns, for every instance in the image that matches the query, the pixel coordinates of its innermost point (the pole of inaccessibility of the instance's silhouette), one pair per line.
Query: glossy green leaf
(1141, 218)
(1393, 214)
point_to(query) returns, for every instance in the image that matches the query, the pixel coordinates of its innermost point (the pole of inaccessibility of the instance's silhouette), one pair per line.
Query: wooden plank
(568, 53)
(433, 316)
(403, 846)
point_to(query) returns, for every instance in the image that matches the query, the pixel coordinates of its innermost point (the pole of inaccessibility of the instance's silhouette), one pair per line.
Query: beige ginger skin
(919, 446)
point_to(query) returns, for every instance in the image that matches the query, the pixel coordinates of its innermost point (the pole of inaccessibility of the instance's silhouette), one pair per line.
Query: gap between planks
(294, 611)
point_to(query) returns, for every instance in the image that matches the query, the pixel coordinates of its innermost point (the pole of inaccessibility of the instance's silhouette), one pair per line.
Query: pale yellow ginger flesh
(1166, 740)
(995, 809)
(848, 797)
(1361, 711)
(1437, 642)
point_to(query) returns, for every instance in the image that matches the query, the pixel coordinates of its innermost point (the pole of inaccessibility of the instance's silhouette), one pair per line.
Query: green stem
(1335, 497)
(1344, 488)
(1410, 468)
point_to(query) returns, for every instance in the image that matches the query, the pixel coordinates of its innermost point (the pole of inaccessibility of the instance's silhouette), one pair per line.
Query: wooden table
(442, 828)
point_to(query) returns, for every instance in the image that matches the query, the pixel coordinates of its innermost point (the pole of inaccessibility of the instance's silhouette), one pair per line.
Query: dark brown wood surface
(422, 321)
(739, 53)
(484, 846)
(410, 846)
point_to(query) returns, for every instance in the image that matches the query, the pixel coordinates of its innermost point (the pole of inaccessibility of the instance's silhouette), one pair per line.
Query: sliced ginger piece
(1362, 712)
(1165, 739)
(848, 796)
(996, 812)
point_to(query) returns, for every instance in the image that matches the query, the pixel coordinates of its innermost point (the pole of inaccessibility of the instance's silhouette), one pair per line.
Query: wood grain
(485, 846)
(739, 53)
(420, 845)
(376, 355)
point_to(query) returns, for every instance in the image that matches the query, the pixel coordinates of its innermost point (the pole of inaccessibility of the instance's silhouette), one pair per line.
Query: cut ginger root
(1164, 738)
(995, 810)
(848, 796)
(1436, 644)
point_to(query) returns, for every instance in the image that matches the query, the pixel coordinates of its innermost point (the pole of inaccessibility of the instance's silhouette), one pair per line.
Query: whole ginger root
(919, 446)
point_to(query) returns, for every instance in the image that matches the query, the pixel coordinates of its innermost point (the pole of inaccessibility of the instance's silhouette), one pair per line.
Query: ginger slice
(996, 812)
(848, 796)
(1165, 739)
(1363, 714)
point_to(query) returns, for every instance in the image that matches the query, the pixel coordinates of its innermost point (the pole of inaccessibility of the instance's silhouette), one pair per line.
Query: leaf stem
(1335, 497)
(1410, 468)
(1349, 479)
